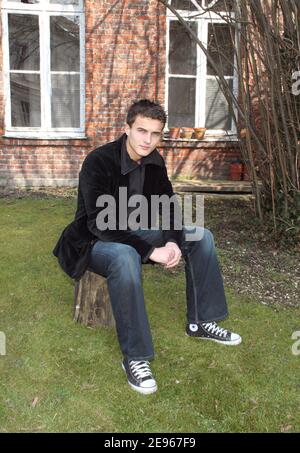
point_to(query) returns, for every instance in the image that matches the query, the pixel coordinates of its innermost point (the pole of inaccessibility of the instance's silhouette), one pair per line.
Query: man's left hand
(177, 255)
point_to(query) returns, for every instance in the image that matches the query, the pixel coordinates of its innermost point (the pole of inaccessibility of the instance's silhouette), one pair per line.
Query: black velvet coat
(101, 175)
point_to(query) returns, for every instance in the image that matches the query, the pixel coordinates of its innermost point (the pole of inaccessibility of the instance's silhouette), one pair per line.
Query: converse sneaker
(211, 331)
(139, 376)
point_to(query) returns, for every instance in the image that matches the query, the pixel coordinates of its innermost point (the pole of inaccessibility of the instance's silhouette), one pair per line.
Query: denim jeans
(121, 265)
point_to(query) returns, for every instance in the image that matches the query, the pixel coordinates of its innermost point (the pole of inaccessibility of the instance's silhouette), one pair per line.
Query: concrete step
(205, 185)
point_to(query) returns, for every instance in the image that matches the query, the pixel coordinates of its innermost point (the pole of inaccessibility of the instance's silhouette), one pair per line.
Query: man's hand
(162, 255)
(177, 254)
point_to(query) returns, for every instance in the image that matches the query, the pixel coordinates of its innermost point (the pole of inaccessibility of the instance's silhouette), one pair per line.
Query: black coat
(101, 175)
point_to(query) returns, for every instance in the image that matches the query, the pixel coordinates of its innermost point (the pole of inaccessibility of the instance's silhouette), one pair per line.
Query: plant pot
(174, 132)
(236, 171)
(187, 132)
(199, 132)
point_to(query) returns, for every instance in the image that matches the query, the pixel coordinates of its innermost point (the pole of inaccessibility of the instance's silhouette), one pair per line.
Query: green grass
(58, 376)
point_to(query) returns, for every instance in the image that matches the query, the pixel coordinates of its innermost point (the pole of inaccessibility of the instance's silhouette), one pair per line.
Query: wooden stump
(92, 304)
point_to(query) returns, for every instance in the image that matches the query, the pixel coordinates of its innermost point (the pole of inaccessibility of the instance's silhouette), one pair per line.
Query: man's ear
(127, 129)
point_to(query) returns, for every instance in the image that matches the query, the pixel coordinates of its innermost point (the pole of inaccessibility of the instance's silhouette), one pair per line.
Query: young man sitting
(133, 164)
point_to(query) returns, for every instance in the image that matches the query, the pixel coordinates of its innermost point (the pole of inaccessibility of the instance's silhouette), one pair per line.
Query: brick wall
(125, 61)
(207, 160)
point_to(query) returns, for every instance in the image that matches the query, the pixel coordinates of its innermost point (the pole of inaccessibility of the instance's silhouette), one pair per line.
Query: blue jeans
(121, 265)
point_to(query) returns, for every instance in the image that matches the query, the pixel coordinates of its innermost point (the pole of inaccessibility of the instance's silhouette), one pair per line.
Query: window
(43, 51)
(194, 98)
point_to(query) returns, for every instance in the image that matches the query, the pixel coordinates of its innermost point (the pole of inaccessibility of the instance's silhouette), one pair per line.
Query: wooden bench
(92, 304)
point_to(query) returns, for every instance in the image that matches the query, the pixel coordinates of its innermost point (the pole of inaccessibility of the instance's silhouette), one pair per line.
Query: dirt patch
(252, 263)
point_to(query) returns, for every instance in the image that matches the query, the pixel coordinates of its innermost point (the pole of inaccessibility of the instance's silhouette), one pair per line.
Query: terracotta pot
(236, 171)
(187, 132)
(174, 132)
(199, 132)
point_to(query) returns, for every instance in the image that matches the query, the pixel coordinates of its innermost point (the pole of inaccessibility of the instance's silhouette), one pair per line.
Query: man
(132, 163)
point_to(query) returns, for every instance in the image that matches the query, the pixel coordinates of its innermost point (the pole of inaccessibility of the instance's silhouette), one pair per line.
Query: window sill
(230, 138)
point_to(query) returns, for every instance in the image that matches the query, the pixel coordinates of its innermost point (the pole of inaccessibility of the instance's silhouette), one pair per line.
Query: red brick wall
(125, 61)
(125, 55)
(207, 160)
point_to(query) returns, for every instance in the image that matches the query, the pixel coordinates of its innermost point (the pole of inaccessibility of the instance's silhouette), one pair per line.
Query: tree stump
(92, 304)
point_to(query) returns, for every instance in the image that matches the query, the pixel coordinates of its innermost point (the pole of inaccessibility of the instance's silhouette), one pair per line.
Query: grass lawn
(58, 376)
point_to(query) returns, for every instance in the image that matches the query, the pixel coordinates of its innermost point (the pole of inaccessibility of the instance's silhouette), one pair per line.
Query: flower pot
(199, 132)
(174, 132)
(236, 171)
(187, 132)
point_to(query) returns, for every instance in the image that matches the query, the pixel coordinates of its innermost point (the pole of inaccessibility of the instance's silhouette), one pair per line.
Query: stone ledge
(168, 143)
(212, 186)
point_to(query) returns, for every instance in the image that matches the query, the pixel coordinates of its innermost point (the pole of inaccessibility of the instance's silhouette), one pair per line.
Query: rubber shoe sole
(227, 343)
(142, 390)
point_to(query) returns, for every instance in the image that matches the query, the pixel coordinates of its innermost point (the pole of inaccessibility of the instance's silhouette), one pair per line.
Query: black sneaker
(139, 376)
(211, 331)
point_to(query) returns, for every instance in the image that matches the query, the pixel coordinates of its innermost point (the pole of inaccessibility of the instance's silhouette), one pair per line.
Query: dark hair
(147, 109)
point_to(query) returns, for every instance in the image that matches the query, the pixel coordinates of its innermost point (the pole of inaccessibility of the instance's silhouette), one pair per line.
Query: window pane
(24, 48)
(181, 108)
(184, 4)
(25, 100)
(221, 48)
(219, 5)
(182, 52)
(65, 2)
(65, 100)
(217, 111)
(64, 43)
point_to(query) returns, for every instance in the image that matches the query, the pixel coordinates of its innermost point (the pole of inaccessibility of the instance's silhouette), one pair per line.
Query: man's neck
(131, 154)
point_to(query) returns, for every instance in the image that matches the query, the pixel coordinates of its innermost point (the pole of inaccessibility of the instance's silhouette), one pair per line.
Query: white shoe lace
(213, 328)
(140, 369)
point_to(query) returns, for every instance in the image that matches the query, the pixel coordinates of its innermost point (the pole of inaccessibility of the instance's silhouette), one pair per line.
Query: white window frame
(203, 20)
(43, 10)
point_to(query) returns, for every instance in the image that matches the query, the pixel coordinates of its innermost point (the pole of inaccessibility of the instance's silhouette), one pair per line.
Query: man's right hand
(162, 255)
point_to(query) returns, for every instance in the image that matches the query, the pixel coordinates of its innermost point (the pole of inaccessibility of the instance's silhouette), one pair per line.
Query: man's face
(143, 136)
